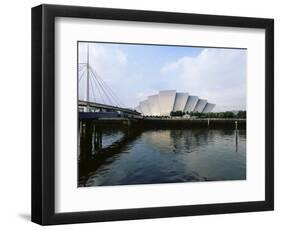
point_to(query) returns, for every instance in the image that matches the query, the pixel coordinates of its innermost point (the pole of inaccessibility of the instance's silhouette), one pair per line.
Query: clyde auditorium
(166, 101)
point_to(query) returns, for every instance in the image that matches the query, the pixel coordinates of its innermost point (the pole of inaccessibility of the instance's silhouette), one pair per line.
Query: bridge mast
(87, 85)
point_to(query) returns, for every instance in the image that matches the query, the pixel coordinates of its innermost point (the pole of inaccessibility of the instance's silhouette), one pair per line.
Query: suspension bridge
(100, 101)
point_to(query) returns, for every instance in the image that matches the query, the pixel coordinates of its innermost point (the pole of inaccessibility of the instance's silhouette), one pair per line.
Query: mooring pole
(236, 135)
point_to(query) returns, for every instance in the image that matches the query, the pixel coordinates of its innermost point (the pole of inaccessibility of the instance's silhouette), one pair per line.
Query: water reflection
(123, 154)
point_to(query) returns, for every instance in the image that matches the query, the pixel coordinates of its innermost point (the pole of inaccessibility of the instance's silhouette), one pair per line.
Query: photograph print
(153, 114)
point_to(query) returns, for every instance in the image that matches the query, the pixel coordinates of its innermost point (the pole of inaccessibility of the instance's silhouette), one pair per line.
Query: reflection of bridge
(93, 155)
(99, 99)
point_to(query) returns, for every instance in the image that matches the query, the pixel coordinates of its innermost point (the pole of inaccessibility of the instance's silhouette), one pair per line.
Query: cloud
(133, 73)
(108, 61)
(144, 95)
(218, 75)
(121, 57)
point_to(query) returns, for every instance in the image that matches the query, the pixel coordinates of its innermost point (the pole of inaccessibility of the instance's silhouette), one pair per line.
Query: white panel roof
(169, 100)
(153, 102)
(180, 101)
(166, 101)
(191, 103)
(208, 108)
(200, 105)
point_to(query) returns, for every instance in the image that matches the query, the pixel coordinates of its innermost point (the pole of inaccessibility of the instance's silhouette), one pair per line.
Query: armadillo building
(166, 101)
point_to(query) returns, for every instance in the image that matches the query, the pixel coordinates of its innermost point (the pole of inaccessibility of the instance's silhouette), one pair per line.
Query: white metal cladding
(144, 106)
(153, 102)
(208, 108)
(180, 101)
(169, 100)
(190, 104)
(200, 105)
(166, 101)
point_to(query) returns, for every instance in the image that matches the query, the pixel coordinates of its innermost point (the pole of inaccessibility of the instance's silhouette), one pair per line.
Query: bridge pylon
(87, 85)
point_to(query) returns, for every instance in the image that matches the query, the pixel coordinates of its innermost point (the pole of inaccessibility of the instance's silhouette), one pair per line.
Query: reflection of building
(165, 101)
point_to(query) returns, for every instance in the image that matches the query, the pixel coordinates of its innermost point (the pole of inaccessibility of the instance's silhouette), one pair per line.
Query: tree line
(227, 114)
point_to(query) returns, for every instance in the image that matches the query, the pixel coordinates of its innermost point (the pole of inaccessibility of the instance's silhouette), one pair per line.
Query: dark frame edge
(269, 112)
(159, 212)
(36, 114)
(43, 116)
(42, 211)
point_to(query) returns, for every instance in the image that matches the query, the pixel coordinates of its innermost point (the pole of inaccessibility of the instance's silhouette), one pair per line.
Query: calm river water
(126, 155)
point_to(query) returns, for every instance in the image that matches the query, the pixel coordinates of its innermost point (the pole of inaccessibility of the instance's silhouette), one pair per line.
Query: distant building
(166, 101)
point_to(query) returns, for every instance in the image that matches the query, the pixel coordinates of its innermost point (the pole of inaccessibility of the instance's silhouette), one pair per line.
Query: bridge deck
(108, 107)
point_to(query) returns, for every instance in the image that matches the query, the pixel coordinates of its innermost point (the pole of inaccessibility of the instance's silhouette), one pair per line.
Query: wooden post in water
(100, 139)
(79, 136)
(236, 136)
(94, 137)
(208, 122)
(86, 146)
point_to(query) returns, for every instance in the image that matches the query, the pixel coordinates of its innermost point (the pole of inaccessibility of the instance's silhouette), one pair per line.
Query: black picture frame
(43, 114)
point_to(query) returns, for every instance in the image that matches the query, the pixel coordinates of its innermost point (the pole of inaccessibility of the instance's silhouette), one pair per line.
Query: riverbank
(150, 122)
(186, 123)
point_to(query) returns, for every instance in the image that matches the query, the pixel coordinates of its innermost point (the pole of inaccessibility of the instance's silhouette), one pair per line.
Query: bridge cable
(93, 94)
(115, 102)
(100, 94)
(107, 96)
(110, 91)
(82, 74)
(81, 66)
(81, 69)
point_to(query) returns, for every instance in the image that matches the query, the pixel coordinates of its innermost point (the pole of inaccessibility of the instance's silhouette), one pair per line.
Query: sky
(133, 72)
